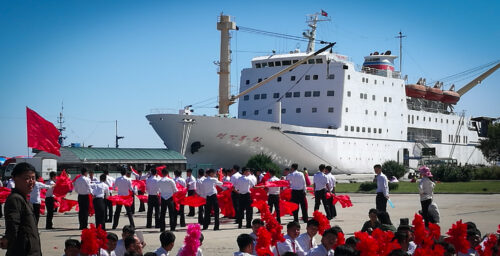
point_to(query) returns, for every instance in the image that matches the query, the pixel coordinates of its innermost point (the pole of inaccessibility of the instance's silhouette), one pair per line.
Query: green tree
(490, 146)
(393, 168)
(262, 162)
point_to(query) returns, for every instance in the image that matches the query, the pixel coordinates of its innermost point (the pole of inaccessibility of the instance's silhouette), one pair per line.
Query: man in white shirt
(328, 240)
(167, 189)
(127, 231)
(273, 197)
(153, 200)
(100, 190)
(35, 199)
(331, 187)
(141, 176)
(191, 186)
(49, 200)
(235, 175)
(110, 181)
(242, 187)
(290, 244)
(210, 193)
(298, 186)
(82, 187)
(245, 245)
(179, 180)
(124, 185)
(201, 209)
(306, 240)
(92, 177)
(382, 189)
(167, 240)
(320, 187)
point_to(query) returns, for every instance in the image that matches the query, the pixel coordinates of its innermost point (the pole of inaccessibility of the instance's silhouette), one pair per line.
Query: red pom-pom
(89, 241)
(458, 237)
(263, 246)
(324, 223)
(340, 240)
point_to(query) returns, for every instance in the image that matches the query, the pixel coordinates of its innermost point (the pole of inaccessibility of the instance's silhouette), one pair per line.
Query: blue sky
(119, 60)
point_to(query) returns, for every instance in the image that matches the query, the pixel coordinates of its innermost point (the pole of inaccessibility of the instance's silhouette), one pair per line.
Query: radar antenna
(311, 21)
(400, 36)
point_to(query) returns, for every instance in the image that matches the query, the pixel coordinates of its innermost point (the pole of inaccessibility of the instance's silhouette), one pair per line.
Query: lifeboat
(415, 90)
(433, 94)
(450, 97)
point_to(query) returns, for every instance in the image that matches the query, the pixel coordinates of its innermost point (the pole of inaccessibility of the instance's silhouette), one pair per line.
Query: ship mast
(224, 25)
(400, 36)
(60, 121)
(311, 21)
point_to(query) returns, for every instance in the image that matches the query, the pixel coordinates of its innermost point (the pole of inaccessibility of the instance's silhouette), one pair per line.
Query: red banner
(42, 134)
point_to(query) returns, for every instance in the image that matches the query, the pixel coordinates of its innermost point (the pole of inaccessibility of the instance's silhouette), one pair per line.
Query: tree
(393, 168)
(262, 162)
(490, 146)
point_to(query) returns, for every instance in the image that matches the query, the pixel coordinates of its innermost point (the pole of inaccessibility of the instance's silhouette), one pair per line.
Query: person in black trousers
(243, 186)
(208, 188)
(298, 186)
(124, 185)
(235, 175)
(153, 199)
(273, 198)
(167, 189)
(110, 181)
(82, 187)
(99, 191)
(191, 186)
(49, 200)
(199, 191)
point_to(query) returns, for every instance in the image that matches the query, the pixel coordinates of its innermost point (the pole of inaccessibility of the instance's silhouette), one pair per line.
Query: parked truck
(43, 166)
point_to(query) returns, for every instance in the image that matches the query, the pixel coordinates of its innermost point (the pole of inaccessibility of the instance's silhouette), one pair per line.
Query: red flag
(42, 134)
(4, 193)
(323, 13)
(194, 201)
(143, 198)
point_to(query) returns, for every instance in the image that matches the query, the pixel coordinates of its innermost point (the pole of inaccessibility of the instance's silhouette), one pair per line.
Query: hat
(425, 171)
(404, 224)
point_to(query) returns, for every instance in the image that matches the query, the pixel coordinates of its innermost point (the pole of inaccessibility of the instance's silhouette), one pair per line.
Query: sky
(108, 61)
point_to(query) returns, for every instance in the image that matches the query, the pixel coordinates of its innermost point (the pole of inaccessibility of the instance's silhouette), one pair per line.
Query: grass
(472, 187)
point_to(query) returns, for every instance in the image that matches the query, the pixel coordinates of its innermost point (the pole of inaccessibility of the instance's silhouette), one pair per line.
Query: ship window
(246, 97)
(287, 62)
(412, 119)
(453, 121)
(346, 128)
(307, 94)
(369, 130)
(331, 76)
(409, 119)
(363, 129)
(436, 120)
(288, 94)
(430, 119)
(385, 114)
(269, 111)
(276, 95)
(298, 110)
(330, 93)
(256, 96)
(385, 99)
(417, 118)
(256, 112)
(308, 77)
(357, 128)
(365, 96)
(271, 64)
(346, 110)
(379, 130)
(424, 118)
(363, 79)
(352, 128)
(314, 110)
(264, 64)
(257, 65)
(366, 80)
(279, 79)
(390, 99)
(260, 80)
(319, 61)
(283, 110)
(348, 77)
(277, 63)
(366, 111)
(330, 110)
(315, 93)
(446, 120)
(296, 94)
(263, 96)
(373, 97)
(310, 61)
(244, 113)
(247, 82)
(348, 93)
(295, 61)
(315, 77)
(361, 95)
(292, 78)
(375, 112)
(375, 81)
(374, 130)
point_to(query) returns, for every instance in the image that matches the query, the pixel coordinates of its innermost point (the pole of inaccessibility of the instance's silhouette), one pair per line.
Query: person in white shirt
(210, 193)
(243, 186)
(167, 240)
(290, 244)
(35, 199)
(179, 180)
(124, 185)
(331, 188)
(306, 240)
(245, 245)
(100, 190)
(11, 184)
(328, 240)
(49, 200)
(153, 199)
(92, 177)
(199, 252)
(426, 189)
(127, 231)
(273, 197)
(298, 186)
(111, 244)
(382, 189)
(235, 175)
(191, 186)
(141, 176)
(201, 209)
(82, 187)
(167, 189)
(320, 188)
(110, 181)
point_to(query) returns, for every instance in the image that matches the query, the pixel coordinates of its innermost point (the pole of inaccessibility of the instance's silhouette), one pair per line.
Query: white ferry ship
(313, 108)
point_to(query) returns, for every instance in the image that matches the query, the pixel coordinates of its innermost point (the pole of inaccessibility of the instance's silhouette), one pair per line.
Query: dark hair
(312, 222)
(243, 241)
(210, 171)
(384, 218)
(236, 167)
(112, 236)
(257, 222)
(397, 252)
(328, 168)
(52, 174)
(272, 172)
(344, 250)
(128, 229)
(166, 238)
(106, 172)
(401, 236)
(201, 172)
(330, 231)
(131, 254)
(244, 169)
(21, 168)
(102, 177)
(292, 224)
(149, 254)
(129, 240)
(71, 243)
(189, 170)
(164, 171)
(177, 173)
(290, 254)
(152, 171)
(352, 241)
(321, 167)
(338, 229)
(373, 210)
(123, 171)
(295, 166)
(83, 170)
(377, 166)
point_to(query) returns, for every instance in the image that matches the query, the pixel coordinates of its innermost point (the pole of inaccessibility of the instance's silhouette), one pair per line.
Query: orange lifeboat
(450, 97)
(415, 90)
(433, 94)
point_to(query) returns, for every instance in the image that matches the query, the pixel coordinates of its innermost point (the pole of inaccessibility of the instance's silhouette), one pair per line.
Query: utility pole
(400, 36)
(116, 134)
(61, 128)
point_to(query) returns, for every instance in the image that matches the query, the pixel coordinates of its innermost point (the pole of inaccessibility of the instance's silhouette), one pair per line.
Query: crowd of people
(377, 235)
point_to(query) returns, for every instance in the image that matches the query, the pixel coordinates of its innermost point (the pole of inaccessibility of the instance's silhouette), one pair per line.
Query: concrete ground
(481, 209)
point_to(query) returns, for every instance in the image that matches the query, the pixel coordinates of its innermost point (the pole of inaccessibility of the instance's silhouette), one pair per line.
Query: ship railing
(380, 72)
(163, 111)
